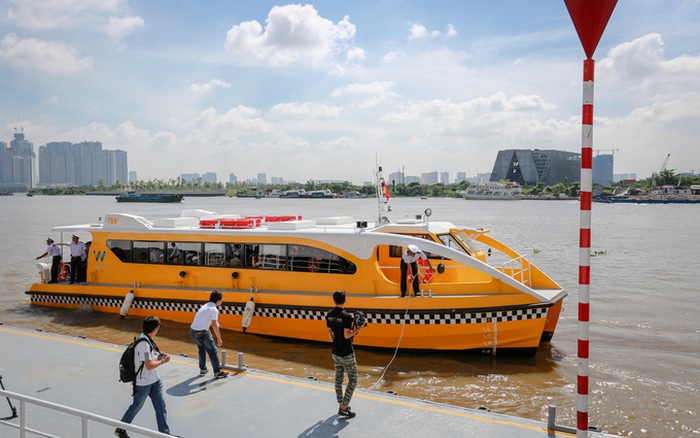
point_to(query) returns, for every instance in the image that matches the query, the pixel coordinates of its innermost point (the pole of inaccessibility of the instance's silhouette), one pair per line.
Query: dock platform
(83, 374)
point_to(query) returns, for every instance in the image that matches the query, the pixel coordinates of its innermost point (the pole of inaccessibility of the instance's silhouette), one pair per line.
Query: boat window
(470, 243)
(214, 254)
(449, 241)
(273, 257)
(304, 258)
(279, 257)
(148, 252)
(192, 252)
(121, 249)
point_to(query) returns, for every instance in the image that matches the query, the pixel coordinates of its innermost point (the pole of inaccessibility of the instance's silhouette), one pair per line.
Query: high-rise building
(232, 178)
(532, 166)
(461, 176)
(429, 178)
(444, 178)
(209, 177)
(603, 168)
(81, 164)
(262, 178)
(17, 161)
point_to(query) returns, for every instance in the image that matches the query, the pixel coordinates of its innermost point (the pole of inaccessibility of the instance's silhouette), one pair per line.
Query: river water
(645, 331)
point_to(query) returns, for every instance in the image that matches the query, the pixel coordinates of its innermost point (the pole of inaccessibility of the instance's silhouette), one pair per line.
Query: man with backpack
(147, 357)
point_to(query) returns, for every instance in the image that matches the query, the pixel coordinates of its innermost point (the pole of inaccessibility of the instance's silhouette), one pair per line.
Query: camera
(359, 319)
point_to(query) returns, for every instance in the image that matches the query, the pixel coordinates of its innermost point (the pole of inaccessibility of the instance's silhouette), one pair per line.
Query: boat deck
(83, 374)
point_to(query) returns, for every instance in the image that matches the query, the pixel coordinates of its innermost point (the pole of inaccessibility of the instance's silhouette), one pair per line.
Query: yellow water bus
(289, 267)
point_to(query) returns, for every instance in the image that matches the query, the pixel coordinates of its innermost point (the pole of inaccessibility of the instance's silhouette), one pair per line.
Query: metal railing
(83, 416)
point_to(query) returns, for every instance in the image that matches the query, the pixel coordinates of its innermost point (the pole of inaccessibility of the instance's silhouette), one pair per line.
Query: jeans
(205, 345)
(155, 392)
(345, 365)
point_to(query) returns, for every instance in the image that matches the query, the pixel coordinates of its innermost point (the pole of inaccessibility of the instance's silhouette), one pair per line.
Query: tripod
(12, 408)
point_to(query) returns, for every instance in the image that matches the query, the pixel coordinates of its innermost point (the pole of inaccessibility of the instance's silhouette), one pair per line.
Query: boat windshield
(466, 240)
(451, 242)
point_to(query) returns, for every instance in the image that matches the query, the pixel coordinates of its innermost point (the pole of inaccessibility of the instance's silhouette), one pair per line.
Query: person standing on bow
(410, 258)
(208, 317)
(77, 253)
(55, 252)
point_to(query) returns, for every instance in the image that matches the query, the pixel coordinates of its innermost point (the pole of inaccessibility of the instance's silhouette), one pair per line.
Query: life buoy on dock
(126, 305)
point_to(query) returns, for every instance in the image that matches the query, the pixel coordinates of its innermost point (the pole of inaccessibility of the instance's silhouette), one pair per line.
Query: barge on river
(483, 295)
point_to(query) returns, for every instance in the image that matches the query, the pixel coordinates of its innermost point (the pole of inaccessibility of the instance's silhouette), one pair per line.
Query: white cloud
(117, 28)
(305, 110)
(46, 56)
(640, 64)
(293, 35)
(99, 16)
(418, 31)
(208, 87)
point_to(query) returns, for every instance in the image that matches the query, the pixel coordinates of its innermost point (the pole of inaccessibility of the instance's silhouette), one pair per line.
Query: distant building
(532, 166)
(232, 178)
(429, 178)
(461, 176)
(81, 164)
(396, 178)
(625, 177)
(17, 161)
(133, 176)
(603, 168)
(209, 177)
(277, 181)
(262, 178)
(444, 178)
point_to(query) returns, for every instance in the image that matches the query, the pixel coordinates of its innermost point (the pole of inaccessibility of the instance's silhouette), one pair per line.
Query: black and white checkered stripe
(428, 317)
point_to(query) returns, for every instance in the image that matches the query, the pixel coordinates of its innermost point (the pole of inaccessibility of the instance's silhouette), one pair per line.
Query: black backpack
(127, 368)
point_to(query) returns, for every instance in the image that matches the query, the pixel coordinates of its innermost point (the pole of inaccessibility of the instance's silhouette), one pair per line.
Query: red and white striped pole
(584, 268)
(590, 18)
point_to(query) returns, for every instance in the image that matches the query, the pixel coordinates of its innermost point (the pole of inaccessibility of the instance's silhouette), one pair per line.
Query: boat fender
(441, 268)
(248, 314)
(428, 212)
(234, 275)
(128, 299)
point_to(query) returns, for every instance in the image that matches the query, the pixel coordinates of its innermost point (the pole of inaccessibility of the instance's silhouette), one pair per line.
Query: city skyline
(329, 90)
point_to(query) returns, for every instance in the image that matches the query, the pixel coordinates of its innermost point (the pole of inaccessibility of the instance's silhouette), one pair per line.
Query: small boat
(479, 294)
(505, 191)
(149, 197)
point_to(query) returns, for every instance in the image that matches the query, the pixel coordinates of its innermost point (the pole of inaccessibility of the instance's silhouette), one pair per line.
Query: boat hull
(437, 323)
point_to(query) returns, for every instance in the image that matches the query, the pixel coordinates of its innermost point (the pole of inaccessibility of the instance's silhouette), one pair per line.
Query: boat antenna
(382, 192)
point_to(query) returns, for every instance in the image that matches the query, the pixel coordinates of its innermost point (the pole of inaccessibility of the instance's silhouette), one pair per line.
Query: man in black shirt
(341, 332)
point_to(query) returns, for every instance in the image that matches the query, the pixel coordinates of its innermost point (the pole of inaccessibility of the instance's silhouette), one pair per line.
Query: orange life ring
(425, 274)
(62, 272)
(314, 264)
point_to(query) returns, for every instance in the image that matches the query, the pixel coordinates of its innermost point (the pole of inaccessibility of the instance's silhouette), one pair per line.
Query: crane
(663, 167)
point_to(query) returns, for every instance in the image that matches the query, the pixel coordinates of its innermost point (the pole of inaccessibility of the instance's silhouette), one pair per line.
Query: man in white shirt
(55, 252)
(208, 316)
(77, 252)
(147, 358)
(410, 258)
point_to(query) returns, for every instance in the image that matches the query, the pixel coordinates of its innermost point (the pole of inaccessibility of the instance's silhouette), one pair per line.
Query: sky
(330, 89)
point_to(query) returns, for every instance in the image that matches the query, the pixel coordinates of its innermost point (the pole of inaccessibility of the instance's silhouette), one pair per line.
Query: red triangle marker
(590, 18)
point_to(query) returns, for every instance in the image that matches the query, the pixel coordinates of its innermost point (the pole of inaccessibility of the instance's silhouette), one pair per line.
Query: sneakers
(121, 433)
(346, 412)
(203, 373)
(220, 375)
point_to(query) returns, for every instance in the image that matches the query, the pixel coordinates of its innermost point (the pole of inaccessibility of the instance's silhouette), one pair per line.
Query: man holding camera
(341, 332)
